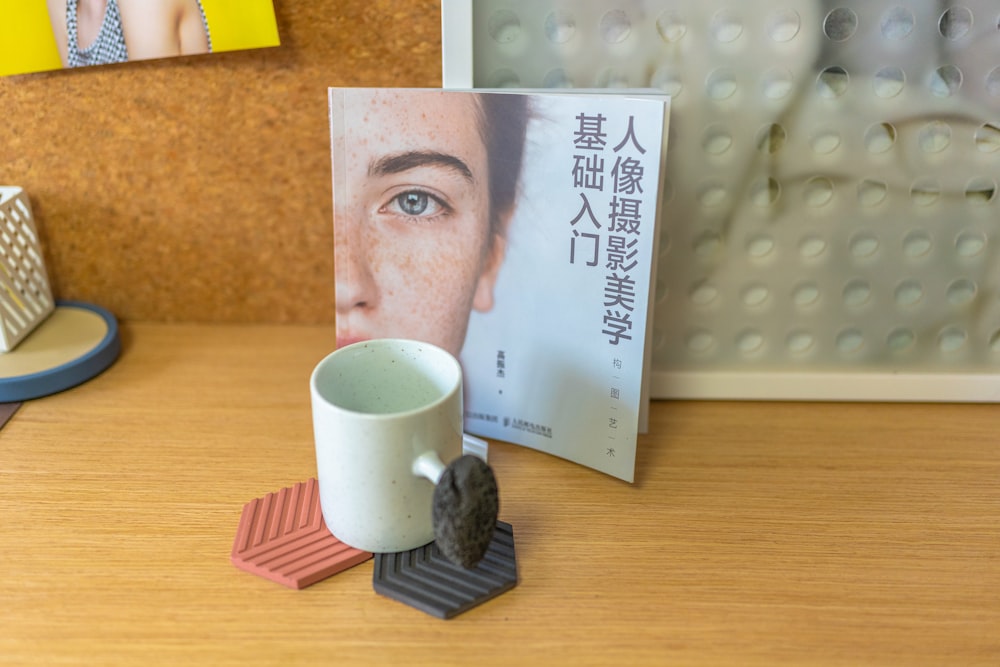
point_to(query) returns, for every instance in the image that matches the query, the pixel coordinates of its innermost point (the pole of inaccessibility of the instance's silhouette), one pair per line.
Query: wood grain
(756, 534)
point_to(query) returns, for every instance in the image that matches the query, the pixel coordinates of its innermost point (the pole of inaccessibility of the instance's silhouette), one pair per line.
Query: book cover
(517, 231)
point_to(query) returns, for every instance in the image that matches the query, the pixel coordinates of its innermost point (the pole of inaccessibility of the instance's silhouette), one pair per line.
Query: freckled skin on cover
(414, 249)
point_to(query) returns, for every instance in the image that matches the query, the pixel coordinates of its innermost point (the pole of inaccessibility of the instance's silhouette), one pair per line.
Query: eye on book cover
(518, 232)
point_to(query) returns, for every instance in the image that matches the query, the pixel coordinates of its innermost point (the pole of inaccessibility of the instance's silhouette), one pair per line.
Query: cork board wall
(198, 189)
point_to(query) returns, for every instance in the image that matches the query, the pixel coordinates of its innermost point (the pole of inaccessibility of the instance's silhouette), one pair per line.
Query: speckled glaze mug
(378, 406)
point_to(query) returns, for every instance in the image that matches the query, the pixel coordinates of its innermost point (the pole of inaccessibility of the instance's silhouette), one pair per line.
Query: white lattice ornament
(25, 294)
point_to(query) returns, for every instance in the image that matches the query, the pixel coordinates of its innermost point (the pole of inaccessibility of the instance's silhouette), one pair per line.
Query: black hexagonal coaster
(425, 579)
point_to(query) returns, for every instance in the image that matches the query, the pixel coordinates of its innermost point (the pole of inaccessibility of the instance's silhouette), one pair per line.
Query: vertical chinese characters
(619, 233)
(623, 236)
(589, 141)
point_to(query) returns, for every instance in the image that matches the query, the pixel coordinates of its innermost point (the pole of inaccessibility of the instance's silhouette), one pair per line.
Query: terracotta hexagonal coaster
(282, 537)
(425, 579)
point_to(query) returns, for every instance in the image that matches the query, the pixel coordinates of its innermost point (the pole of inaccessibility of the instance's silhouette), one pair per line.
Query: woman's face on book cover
(414, 250)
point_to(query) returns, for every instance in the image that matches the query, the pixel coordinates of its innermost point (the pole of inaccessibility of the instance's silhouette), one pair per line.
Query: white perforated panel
(832, 224)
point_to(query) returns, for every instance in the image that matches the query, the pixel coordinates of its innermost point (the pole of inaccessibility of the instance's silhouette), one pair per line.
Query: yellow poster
(39, 35)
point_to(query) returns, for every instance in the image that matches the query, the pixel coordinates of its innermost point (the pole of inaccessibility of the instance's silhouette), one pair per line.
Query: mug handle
(428, 465)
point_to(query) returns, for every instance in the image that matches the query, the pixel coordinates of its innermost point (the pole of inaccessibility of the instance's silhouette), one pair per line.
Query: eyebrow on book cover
(398, 163)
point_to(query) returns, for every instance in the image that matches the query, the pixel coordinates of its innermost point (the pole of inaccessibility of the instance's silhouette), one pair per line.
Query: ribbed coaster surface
(282, 537)
(425, 579)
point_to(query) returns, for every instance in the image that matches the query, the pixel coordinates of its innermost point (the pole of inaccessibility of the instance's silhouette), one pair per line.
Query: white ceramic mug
(378, 406)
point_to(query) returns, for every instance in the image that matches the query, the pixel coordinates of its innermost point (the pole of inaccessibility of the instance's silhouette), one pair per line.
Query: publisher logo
(528, 427)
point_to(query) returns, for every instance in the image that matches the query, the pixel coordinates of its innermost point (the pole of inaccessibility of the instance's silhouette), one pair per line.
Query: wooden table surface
(755, 534)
